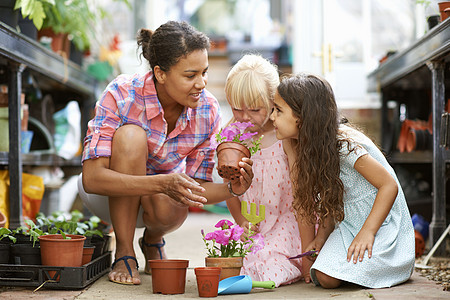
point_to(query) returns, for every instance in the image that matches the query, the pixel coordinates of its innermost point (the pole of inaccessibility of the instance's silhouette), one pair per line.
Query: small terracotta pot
(229, 154)
(442, 9)
(168, 275)
(420, 244)
(87, 254)
(2, 219)
(230, 266)
(207, 281)
(56, 251)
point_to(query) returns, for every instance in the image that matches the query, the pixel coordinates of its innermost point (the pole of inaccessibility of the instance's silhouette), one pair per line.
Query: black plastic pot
(8, 15)
(99, 244)
(433, 21)
(5, 249)
(27, 27)
(26, 254)
(75, 55)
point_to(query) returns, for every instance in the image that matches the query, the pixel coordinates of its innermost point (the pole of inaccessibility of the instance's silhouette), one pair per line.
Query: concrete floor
(186, 243)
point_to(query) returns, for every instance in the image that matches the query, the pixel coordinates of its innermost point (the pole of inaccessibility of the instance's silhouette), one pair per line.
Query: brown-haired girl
(341, 178)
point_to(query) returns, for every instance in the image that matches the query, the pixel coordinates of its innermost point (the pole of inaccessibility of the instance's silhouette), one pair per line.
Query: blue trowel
(242, 284)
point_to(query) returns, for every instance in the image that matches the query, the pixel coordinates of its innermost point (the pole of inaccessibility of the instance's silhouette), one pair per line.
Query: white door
(338, 34)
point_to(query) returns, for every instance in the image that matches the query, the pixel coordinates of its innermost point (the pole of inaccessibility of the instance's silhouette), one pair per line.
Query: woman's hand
(245, 180)
(180, 188)
(363, 241)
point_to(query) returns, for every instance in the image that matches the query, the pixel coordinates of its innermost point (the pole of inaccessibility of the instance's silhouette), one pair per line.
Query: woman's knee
(326, 281)
(129, 143)
(161, 211)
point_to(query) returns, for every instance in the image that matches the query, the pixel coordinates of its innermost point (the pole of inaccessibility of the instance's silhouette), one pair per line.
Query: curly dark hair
(318, 190)
(169, 42)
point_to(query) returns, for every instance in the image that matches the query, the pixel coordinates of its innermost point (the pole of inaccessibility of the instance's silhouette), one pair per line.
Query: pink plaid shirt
(133, 100)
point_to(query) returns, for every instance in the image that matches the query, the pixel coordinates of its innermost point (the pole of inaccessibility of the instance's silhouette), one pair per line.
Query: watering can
(241, 284)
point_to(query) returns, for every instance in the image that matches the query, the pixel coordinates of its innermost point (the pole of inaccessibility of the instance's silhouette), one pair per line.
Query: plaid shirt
(133, 100)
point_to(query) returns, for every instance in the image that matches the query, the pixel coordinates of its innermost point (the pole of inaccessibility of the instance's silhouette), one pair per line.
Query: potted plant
(6, 239)
(227, 246)
(34, 10)
(61, 250)
(26, 250)
(232, 144)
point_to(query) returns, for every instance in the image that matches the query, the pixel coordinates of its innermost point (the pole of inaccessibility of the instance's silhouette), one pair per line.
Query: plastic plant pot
(207, 281)
(168, 276)
(229, 154)
(231, 266)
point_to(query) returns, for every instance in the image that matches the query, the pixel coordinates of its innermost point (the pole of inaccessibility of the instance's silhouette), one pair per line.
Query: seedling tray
(61, 277)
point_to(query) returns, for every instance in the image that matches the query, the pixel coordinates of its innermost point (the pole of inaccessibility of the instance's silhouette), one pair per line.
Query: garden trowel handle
(263, 284)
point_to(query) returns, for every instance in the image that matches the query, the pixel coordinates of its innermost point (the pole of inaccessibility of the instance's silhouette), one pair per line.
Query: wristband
(231, 190)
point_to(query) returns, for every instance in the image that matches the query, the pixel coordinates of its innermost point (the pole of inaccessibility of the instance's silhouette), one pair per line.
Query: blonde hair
(252, 82)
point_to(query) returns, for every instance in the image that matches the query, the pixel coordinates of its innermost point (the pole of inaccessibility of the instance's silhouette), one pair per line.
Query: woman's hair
(252, 83)
(318, 190)
(171, 41)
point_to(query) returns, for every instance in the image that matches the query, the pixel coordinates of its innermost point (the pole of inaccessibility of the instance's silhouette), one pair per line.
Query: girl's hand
(362, 242)
(316, 244)
(180, 188)
(242, 184)
(246, 234)
(306, 267)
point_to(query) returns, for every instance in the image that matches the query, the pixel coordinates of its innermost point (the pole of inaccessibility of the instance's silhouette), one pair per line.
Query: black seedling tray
(69, 277)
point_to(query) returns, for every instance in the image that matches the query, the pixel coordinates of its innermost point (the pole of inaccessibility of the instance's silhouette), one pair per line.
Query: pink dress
(272, 187)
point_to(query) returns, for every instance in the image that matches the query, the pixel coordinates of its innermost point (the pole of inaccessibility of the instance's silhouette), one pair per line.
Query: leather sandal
(125, 260)
(158, 246)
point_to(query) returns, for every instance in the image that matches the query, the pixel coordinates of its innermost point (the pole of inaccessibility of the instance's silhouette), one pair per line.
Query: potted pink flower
(227, 246)
(232, 144)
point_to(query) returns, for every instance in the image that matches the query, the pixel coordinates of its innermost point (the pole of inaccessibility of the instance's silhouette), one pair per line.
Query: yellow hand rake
(252, 217)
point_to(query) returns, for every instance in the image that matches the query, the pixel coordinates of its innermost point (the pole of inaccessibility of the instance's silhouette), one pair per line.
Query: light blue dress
(393, 253)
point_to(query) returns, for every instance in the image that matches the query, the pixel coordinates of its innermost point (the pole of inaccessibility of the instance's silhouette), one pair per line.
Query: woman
(158, 124)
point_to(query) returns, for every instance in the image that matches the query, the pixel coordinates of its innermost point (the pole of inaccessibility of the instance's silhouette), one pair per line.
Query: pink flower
(235, 132)
(226, 241)
(224, 224)
(230, 132)
(242, 125)
(223, 236)
(210, 236)
(255, 243)
(236, 233)
(246, 136)
(213, 141)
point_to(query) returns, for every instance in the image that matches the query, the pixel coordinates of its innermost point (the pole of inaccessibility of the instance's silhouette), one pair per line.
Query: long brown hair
(318, 190)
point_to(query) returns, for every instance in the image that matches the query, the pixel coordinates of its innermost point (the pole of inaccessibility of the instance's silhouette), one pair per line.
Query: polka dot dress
(393, 253)
(271, 187)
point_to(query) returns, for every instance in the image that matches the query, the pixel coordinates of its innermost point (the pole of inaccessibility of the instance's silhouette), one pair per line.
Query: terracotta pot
(56, 251)
(420, 244)
(87, 254)
(207, 281)
(229, 154)
(2, 219)
(231, 266)
(60, 41)
(442, 7)
(168, 275)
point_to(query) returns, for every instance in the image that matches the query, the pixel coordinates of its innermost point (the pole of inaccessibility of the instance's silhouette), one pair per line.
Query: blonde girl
(250, 88)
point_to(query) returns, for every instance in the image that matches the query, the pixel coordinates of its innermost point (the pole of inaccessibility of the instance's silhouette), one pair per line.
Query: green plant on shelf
(7, 233)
